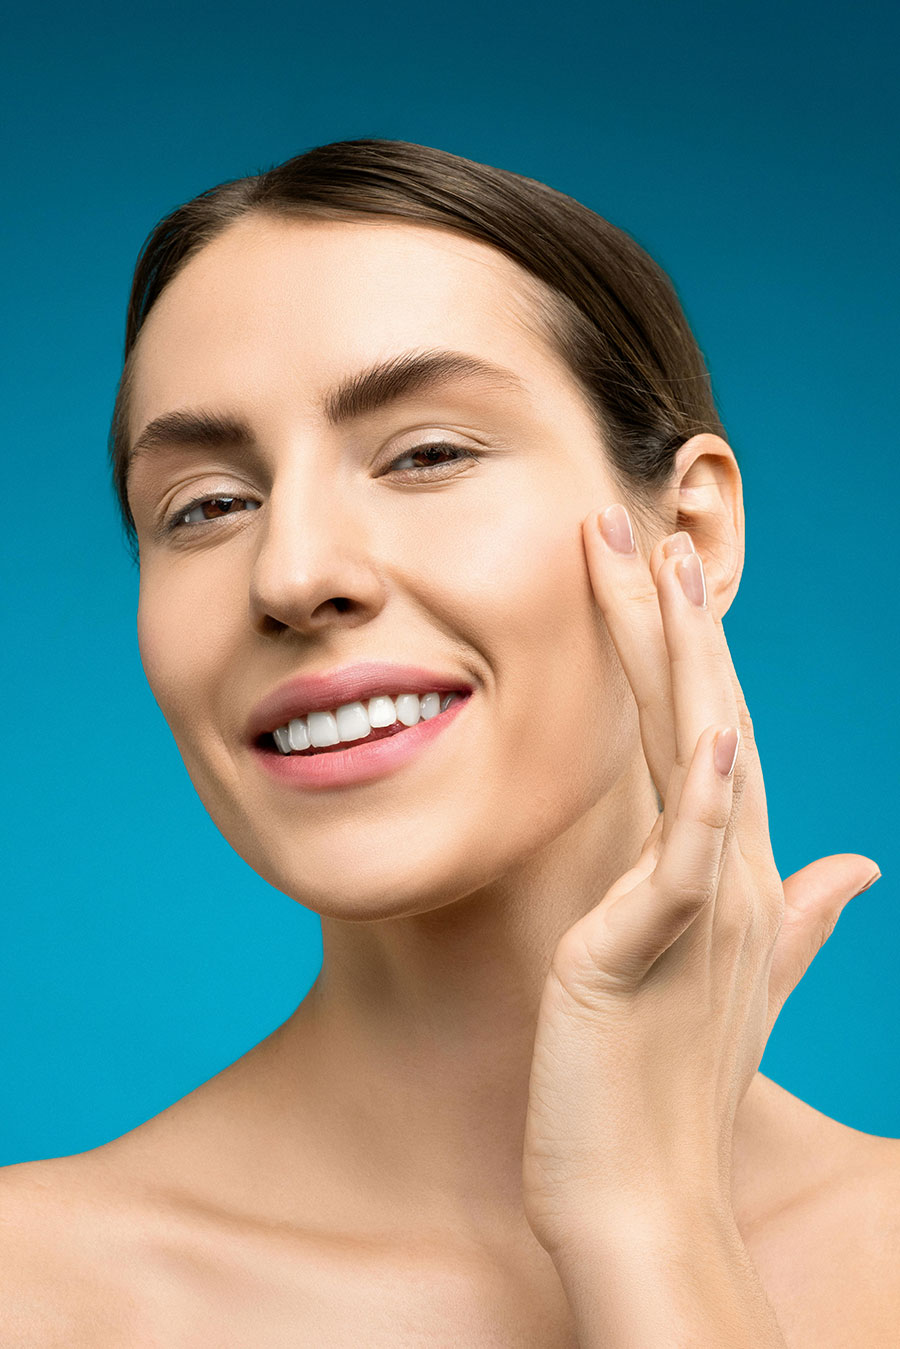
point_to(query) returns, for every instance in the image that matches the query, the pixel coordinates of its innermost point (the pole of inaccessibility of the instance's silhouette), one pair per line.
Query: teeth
(382, 711)
(408, 708)
(298, 735)
(322, 727)
(354, 721)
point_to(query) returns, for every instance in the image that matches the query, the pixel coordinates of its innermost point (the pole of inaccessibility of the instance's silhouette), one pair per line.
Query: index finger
(627, 596)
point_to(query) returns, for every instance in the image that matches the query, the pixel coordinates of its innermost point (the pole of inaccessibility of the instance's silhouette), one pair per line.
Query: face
(346, 543)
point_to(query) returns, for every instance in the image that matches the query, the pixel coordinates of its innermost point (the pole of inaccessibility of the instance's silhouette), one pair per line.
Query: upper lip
(349, 683)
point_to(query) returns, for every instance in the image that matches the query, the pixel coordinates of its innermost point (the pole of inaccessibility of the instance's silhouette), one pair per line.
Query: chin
(394, 880)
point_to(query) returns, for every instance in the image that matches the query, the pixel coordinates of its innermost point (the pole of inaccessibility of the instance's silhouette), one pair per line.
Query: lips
(320, 692)
(361, 764)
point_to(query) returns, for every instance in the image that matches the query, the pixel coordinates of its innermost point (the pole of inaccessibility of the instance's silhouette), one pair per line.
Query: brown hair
(608, 309)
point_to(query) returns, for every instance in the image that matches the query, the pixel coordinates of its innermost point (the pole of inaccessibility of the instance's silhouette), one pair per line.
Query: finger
(691, 859)
(751, 816)
(699, 662)
(814, 898)
(752, 810)
(627, 597)
(626, 935)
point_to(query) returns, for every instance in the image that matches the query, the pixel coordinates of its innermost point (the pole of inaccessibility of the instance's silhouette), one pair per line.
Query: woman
(436, 525)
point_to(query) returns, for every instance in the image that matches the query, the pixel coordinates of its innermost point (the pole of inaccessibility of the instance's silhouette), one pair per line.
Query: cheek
(522, 584)
(184, 640)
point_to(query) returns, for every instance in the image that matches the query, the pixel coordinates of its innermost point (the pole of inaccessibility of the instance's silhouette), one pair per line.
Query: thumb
(814, 898)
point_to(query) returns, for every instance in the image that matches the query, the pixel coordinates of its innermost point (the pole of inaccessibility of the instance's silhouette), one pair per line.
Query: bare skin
(356, 1178)
(175, 1234)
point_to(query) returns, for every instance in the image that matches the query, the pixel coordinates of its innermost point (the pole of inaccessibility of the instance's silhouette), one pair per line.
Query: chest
(330, 1300)
(330, 1294)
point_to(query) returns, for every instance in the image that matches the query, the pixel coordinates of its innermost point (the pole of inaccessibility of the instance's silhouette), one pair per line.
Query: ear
(705, 495)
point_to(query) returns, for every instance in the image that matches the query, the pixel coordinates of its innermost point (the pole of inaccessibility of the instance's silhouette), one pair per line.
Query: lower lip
(356, 763)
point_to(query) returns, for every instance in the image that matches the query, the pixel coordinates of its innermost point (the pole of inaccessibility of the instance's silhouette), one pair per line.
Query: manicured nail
(693, 582)
(615, 526)
(725, 751)
(678, 543)
(876, 877)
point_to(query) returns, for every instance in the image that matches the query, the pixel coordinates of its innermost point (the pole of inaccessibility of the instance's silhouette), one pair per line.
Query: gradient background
(748, 148)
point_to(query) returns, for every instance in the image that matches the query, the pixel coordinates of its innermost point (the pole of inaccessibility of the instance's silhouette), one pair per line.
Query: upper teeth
(354, 721)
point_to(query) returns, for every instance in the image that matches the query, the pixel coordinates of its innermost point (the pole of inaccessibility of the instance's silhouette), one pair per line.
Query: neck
(413, 1048)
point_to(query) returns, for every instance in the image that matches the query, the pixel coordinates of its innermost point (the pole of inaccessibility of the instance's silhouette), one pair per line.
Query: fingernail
(725, 751)
(693, 582)
(876, 877)
(615, 526)
(678, 543)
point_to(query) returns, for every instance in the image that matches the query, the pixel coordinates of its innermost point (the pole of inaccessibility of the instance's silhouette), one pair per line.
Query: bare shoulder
(62, 1240)
(853, 1242)
(829, 1257)
(32, 1259)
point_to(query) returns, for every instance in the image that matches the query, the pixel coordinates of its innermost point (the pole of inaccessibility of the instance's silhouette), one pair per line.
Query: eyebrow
(400, 376)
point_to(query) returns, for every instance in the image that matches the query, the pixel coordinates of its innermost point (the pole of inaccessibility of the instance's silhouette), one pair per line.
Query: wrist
(622, 1222)
(664, 1273)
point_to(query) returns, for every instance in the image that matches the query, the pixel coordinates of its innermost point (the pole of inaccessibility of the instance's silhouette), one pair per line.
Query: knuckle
(713, 813)
(689, 892)
(579, 952)
(748, 733)
(684, 757)
(734, 926)
(646, 596)
(582, 976)
(570, 953)
(740, 779)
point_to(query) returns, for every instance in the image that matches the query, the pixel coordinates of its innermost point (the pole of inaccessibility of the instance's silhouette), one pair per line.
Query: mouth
(293, 740)
(351, 763)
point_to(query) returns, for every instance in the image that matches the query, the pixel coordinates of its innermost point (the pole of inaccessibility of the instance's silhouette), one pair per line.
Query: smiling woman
(436, 525)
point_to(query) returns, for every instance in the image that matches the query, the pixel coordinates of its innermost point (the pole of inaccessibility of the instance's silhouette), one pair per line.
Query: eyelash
(174, 521)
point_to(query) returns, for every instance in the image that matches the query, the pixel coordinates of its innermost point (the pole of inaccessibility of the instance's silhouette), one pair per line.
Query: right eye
(223, 504)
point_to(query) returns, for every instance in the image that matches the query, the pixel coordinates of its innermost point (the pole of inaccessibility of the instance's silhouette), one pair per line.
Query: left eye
(436, 448)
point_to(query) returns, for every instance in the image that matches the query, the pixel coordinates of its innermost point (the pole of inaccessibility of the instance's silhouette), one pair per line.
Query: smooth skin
(661, 999)
(537, 1016)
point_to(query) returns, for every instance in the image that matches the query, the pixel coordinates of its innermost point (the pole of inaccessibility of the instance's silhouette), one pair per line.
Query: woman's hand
(659, 1001)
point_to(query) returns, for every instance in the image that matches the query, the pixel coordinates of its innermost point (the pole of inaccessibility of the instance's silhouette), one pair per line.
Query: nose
(313, 567)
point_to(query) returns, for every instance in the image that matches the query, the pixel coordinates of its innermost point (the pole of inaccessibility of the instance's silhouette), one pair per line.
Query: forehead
(276, 305)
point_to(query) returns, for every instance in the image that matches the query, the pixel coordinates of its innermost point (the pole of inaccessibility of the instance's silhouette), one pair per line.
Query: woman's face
(474, 568)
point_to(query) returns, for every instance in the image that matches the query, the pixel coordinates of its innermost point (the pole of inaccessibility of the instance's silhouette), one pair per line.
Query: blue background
(748, 148)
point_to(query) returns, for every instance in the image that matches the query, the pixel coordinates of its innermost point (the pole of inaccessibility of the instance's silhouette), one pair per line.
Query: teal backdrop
(749, 148)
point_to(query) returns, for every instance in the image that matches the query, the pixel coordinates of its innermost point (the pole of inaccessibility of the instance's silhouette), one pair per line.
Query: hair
(603, 304)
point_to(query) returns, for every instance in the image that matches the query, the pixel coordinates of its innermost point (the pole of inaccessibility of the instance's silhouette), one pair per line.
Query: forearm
(683, 1282)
